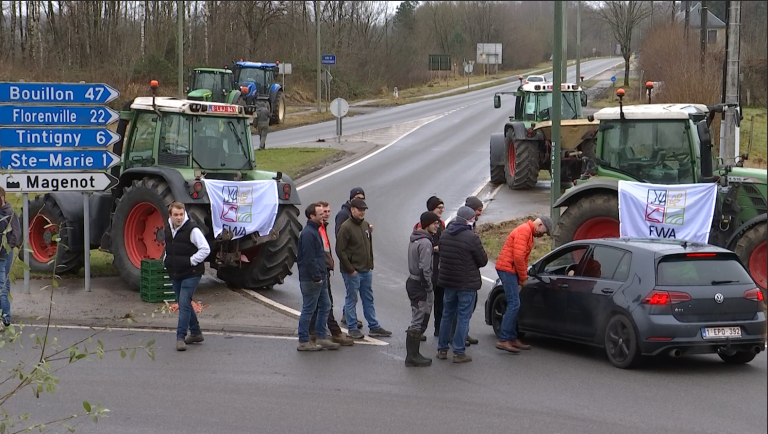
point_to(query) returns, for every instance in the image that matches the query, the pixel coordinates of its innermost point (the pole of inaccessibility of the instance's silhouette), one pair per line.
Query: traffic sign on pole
(329, 59)
(57, 137)
(58, 93)
(42, 182)
(75, 116)
(58, 160)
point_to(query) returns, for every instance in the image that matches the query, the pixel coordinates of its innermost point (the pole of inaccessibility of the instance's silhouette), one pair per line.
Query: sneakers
(308, 346)
(355, 334)
(327, 344)
(342, 340)
(442, 354)
(379, 333)
(521, 345)
(462, 358)
(507, 346)
(194, 339)
(344, 322)
(181, 345)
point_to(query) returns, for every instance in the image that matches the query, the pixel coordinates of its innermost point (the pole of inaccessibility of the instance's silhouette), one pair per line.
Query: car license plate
(720, 332)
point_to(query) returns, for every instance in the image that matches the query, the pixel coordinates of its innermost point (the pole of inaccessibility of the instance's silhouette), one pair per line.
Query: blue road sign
(59, 93)
(57, 137)
(57, 160)
(329, 59)
(613, 79)
(57, 115)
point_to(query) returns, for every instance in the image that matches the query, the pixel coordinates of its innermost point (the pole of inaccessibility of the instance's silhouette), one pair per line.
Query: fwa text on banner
(242, 207)
(57, 137)
(75, 116)
(58, 93)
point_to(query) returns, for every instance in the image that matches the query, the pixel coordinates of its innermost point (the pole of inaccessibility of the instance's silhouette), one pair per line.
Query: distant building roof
(713, 22)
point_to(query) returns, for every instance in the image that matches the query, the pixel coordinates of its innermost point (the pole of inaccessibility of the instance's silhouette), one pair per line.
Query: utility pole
(687, 17)
(557, 66)
(704, 15)
(728, 149)
(180, 44)
(564, 72)
(319, 56)
(578, 43)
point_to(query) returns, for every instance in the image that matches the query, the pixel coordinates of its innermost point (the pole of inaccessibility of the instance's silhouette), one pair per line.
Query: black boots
(412, 343)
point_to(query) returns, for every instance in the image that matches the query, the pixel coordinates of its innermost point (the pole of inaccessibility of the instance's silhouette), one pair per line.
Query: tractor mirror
(583, 99)
(497, 101)
(705, 139)
(187, 89)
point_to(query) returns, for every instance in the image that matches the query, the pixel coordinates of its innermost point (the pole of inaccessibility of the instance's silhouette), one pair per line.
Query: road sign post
(40, 152)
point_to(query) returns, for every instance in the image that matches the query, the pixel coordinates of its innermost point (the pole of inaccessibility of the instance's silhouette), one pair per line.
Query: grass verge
(293, 161)
(757, 154)
(493, 236)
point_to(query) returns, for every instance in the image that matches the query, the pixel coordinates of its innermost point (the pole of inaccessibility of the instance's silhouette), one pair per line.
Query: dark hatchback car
(639, 298)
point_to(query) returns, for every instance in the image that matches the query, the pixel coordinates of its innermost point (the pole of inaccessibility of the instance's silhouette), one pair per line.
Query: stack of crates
(156, 286)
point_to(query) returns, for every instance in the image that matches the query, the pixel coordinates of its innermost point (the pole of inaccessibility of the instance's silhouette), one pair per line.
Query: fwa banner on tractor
(243, 207)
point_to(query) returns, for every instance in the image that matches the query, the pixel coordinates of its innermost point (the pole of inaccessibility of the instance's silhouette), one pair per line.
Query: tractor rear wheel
(47, 224)
(272, 261)
(138, 226)
(593, 216)
(751, 249)
(522, 168)
(278, 111)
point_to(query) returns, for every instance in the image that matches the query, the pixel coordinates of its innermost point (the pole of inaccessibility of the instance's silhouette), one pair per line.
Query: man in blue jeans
(461, 257)
(354, 247)
(185, 252)
(10, 238)
(313, 283)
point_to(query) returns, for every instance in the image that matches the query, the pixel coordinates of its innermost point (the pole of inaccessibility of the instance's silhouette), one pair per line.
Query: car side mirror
(531, 271)
(583, 99)
(497, 101)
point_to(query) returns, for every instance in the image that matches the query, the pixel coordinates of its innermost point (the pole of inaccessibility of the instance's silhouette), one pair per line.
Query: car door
(600, 275)
(544, 298)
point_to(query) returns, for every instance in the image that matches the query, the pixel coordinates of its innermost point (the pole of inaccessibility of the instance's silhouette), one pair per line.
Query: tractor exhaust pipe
(675, 353)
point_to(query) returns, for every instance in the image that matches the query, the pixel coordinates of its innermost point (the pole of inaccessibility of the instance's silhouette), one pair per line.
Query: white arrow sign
(53, 182)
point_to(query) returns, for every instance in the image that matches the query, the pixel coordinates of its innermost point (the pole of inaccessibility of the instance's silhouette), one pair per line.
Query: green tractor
(168, 147)
(667, 144)
(523, 149)
(213, 85)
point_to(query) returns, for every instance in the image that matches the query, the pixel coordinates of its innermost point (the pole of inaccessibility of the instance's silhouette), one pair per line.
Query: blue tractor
(259, 78)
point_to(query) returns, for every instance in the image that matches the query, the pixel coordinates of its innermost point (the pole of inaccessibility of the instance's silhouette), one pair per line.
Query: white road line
(367, 340)
(488, 279)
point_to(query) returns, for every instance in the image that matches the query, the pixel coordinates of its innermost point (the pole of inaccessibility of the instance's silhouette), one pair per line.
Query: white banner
(682, 212)
(244, 207)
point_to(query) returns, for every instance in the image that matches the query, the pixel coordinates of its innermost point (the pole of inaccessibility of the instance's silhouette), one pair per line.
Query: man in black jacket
(312, 281)
(11, 238)
(185, 252)
(461, 257)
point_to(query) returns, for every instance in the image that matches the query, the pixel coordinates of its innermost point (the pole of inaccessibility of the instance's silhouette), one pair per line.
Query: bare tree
(623, 17)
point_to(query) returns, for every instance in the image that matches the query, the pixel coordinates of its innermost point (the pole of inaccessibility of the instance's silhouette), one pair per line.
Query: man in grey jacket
(419, 286)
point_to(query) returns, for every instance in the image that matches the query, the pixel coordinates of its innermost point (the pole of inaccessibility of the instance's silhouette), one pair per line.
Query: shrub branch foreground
(39, 374)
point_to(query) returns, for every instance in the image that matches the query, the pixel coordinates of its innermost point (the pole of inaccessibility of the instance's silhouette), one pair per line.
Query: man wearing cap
(461, 257)
(477, 206)
(419, 285)
(437, 206)
(340, 218)
(354, 247)
(512, 267)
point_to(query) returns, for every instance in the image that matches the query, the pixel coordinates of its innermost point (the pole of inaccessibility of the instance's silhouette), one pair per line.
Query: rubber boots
(413, 357)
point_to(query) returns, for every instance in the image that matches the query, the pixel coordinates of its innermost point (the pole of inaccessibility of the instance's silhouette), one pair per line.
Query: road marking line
(488, 279)
(293, 312)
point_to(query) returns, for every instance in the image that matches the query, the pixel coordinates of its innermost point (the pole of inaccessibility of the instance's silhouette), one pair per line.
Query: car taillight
(656, 297)
(754, 294)
(700, 255)
(286, 191)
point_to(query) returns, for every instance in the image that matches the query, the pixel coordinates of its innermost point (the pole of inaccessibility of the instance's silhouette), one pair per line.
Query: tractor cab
(258, 81)
(212, 85)
(533, 102)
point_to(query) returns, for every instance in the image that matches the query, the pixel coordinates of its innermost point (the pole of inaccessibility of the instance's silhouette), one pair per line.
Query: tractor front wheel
(522, 163)
(752, 249)
(138, 226)
(595, 216)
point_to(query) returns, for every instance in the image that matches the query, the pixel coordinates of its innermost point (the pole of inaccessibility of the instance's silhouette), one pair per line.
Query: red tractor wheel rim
(598, 227)
(511, 158)
(41, 239)
(141, 230)
(757, 264)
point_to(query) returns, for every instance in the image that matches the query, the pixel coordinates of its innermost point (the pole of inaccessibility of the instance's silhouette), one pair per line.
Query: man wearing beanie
(477, 206)
(461, 257)
(341, 217)
(437, 206)
(419, 285)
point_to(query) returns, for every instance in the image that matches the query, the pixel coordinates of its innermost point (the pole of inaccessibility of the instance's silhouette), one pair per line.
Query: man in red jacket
(512, 267)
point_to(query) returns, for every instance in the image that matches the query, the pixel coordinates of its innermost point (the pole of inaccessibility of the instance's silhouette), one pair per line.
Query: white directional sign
(52, 182)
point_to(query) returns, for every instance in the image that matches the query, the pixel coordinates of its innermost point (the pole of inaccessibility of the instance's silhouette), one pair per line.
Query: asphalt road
(262, 385)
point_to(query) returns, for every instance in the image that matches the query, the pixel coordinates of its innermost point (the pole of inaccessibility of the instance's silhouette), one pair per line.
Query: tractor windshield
(255, 75)
(538, 106)
(649, 150)
(219, 84)
(220, 143)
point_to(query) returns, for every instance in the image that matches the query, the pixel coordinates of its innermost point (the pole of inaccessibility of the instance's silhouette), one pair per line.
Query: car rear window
(700, 270)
